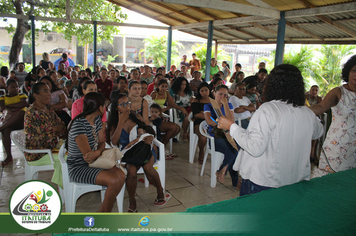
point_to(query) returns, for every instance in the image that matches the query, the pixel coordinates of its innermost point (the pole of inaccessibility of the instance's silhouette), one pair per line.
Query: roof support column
(94, 43)
(216, 49)
(169, 49)
(208, 51)
(123, 49)
(280, 39)
(33, 38)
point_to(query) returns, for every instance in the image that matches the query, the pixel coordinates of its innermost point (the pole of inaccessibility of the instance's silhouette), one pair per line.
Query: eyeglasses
(124, 104)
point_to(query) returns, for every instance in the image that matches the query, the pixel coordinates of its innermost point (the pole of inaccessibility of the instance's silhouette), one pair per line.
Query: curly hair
(285, 83)
(177, 85)
(347, 68)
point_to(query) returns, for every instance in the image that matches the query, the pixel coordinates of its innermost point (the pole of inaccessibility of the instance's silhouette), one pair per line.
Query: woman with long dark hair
(276, 145)
(121, 126)
(221, 143)
(86, 142)
(202, 98)
(139, 106)
(182, 95)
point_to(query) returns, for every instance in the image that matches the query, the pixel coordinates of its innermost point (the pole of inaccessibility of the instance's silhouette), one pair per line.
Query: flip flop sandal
(3, 163)
(218, 178)
(132, 211)
(174, 155)
(169, 157)
(162, 201)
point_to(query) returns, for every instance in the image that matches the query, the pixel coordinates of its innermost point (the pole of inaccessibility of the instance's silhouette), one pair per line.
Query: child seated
(13, 75)
(242, 105)
(155, 118)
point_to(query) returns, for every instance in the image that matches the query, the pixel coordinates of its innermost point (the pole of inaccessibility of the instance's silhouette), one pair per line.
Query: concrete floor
(183, 181)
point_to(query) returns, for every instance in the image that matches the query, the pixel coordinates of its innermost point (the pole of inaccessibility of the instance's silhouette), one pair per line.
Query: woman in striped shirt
(86, 142)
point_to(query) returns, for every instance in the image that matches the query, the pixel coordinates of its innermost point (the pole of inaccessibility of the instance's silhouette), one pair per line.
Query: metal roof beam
(245, 32)
(338, 25)
(176, 11)
(204, 12)
(232, 35)
(227, 6)
(303, 30)
(137, 3)
(231, 21)
(260, 3)
(258, 25)
(338, 8)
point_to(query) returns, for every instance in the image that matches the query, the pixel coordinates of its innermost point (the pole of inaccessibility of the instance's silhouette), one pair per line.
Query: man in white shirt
(242, 105)
(186, 73)
(276, 145)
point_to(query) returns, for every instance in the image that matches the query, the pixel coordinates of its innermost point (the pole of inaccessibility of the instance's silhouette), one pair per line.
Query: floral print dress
(340, 144)
(39, 131)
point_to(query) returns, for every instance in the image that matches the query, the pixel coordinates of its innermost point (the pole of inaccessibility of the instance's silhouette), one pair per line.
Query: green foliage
(330, 65)
(200, 50)
(3, 62)
(99, 10)
(28, 67)
(108, 60)
(156, 48)
(320, 64)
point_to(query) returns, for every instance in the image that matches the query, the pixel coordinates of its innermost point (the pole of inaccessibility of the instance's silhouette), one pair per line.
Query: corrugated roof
(310, 21)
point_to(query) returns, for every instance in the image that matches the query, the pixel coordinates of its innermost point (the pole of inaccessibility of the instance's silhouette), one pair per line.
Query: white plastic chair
(170, 140)
(193, 141)
(173, 114)
(72, 191)
(216, 157)
(31, 172)
(159, 165)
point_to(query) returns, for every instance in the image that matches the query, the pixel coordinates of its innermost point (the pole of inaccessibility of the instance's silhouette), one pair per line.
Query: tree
(156, 48)
(322, 64)
(100, 10)
(200, 50)
(330, 65)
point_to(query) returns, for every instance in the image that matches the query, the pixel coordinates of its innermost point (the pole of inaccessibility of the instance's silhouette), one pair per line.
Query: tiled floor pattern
(183, 181)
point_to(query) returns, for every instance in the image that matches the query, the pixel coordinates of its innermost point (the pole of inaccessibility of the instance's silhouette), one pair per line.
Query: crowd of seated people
(142, 97)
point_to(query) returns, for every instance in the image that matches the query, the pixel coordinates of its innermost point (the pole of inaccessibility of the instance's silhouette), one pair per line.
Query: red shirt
(150, 88)
(77, 108)
(105, 87)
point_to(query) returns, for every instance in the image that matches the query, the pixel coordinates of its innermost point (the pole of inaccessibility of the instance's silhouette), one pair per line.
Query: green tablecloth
(322, 206)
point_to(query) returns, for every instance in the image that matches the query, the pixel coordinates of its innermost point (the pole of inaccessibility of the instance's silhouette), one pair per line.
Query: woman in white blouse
(276, 145)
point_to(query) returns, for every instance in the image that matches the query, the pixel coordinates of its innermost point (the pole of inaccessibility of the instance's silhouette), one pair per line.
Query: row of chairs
(72, 191)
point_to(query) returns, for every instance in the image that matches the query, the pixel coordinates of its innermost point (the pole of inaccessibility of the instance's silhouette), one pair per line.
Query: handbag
(139, 154)
(108, 159)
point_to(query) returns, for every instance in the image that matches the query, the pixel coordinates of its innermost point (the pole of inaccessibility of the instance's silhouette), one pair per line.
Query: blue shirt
(209, 108)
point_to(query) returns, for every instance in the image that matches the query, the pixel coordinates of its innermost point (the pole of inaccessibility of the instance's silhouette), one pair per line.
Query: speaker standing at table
(276, 145)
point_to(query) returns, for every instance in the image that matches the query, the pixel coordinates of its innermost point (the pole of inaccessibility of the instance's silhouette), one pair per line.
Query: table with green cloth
(321, 206)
